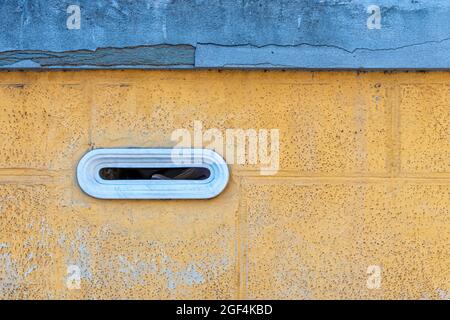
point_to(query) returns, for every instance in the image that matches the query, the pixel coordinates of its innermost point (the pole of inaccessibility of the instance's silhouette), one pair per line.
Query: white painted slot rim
(92, 184)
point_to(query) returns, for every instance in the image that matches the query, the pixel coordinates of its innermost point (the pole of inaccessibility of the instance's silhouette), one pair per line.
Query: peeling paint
(79, 254)
(30, 270)
(9, 276)
(159, 55)
(189, 276)
(443, 294)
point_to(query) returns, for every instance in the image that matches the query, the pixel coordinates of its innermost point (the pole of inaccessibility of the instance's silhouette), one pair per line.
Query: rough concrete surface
(225, 34)
(364, 181)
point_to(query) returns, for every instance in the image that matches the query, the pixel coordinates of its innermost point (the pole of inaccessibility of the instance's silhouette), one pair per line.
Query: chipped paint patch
(9, 275)
(150, 56)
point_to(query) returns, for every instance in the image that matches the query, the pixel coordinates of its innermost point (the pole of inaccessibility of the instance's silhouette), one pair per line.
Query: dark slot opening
(154, 173)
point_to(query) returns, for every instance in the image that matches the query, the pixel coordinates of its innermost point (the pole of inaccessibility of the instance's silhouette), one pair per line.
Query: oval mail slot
(152, 173)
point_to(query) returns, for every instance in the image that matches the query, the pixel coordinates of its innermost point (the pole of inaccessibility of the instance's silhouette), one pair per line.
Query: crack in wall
(325, 46)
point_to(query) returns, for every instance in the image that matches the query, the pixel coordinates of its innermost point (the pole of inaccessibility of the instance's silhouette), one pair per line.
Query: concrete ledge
(301, 34)
(430, 55)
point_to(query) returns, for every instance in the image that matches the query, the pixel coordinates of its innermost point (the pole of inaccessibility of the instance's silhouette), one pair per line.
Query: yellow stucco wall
(364, 180)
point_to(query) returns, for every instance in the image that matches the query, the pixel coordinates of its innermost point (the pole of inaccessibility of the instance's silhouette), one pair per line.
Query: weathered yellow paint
(364, 180)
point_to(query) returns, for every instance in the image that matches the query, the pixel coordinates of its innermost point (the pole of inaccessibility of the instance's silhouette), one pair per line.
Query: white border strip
(92, 184)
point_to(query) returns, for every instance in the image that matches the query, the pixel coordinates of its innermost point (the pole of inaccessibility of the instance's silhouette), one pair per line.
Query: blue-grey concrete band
(92, 184)
(304, 34)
